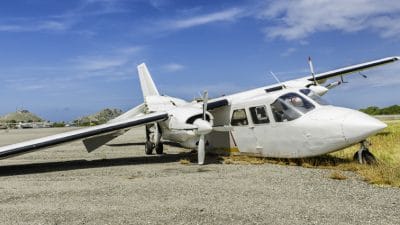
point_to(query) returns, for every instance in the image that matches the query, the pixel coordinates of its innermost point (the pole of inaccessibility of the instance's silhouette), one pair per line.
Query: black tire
(160, 148)
(148, 148)
(367, 157)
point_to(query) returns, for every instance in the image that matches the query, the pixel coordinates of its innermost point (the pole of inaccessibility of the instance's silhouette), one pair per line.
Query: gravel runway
(119, 184)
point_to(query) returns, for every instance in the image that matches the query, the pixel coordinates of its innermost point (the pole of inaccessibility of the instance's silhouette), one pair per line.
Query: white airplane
(285, 120)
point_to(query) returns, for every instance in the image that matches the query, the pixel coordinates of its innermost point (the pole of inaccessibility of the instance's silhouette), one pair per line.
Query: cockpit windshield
(290, 106)
(314, 96)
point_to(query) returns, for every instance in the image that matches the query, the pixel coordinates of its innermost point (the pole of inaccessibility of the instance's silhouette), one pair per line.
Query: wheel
(148, 148)
(366, 156)
(159, 148)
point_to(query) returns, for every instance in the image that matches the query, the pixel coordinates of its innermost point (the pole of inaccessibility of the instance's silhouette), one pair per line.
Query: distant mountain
(98, 118)
(20, 116)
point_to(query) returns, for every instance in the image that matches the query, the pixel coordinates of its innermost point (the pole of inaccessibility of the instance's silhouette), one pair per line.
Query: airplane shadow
(44, 167)
(127, 144)
(142, 144)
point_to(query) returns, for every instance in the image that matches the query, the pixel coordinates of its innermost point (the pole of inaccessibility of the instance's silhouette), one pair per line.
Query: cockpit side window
(239, 118)
(282, 112)
(297, 101)
(290, 107)
(259, 114)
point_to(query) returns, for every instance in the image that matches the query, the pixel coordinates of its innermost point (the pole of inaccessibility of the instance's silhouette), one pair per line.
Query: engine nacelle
(320, 90)
(184, 125)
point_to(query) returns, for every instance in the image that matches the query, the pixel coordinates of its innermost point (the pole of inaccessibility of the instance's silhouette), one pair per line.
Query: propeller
(315, 87)
(203, 127)
(312, 70)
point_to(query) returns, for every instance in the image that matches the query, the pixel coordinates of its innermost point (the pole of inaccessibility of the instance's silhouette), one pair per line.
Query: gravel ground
(118, 184)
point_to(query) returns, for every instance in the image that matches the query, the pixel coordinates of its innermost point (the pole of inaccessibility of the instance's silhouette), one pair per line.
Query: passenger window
(259, 115)
(239, 118)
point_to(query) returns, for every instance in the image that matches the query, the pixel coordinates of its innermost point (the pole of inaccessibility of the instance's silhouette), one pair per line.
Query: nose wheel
(364, 156)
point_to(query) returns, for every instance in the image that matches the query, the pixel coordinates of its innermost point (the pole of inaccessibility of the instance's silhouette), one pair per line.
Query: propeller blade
(312, 70)
(201, 150)
(205, 101)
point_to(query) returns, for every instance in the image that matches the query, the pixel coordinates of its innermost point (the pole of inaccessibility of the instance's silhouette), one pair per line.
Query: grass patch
(184, 161)
(243, 160)
(336, 175)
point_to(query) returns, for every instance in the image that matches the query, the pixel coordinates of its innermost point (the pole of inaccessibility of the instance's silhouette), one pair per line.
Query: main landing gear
(364, 156)
(153, 139)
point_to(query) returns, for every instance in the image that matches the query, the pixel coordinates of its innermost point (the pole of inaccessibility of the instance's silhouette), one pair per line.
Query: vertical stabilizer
(146, 82)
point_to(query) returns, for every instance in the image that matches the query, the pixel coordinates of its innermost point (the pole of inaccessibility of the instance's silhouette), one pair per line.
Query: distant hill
(20, 116)
(373, 110)
(98, 118)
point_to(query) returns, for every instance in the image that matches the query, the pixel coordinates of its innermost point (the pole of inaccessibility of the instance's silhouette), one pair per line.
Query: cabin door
(242, 132)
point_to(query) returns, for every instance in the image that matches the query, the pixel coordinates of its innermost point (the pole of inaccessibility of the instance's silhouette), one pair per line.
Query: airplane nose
(357, 126)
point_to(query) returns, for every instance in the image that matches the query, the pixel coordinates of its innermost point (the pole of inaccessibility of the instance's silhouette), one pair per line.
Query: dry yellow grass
(184, 161)
(243, 160)
(336, 175)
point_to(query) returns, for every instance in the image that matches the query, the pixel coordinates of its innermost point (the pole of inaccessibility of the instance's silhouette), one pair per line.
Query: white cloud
(130, 50)
(222, 16)
(173, 67)
(288, 52)
(112, 60)
(31, 27)
(66, 20)
(114, 65)
(99, 63)
(159, 3)
(301, 18)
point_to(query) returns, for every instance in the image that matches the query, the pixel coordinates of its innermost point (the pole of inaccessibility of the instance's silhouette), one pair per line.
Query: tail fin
(146, 82)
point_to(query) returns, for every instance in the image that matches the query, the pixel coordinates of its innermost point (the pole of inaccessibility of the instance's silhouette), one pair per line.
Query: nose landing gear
(364, 156)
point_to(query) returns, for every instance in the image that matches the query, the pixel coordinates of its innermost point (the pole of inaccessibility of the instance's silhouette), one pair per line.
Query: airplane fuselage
(260, 128)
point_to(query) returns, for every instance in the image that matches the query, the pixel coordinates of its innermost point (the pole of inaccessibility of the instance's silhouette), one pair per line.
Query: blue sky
(64, 59)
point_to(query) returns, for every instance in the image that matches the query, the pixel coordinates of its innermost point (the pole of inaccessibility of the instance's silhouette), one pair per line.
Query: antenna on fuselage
(312, 70)
(276, 78)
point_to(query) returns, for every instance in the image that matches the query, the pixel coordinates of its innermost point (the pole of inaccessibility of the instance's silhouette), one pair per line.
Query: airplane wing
(321, 77)
(98, 131)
